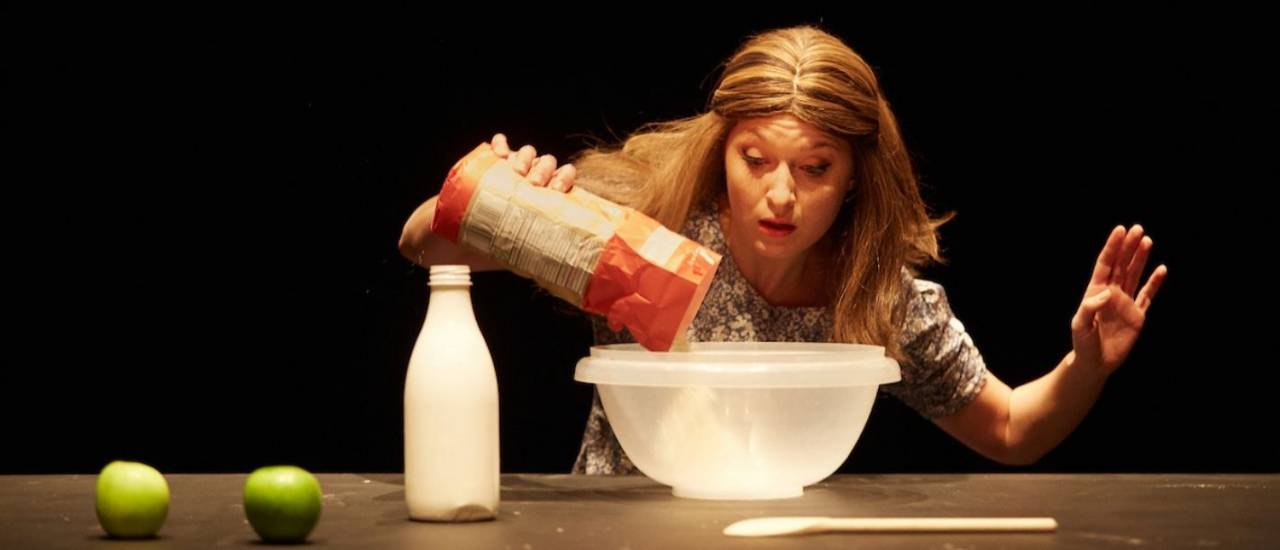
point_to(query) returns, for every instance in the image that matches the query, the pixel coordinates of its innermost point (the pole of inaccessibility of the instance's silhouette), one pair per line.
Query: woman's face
(787, 181)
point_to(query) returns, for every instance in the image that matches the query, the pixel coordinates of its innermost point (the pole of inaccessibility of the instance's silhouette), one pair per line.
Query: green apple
(132, 500)
(282, 503)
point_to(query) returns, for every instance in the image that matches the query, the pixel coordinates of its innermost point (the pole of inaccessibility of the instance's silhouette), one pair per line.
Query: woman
(798, 176)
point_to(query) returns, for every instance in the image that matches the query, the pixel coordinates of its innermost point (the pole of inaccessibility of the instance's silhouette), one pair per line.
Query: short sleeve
(942, 370)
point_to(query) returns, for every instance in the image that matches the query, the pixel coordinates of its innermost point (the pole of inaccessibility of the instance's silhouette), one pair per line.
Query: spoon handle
(908, 525)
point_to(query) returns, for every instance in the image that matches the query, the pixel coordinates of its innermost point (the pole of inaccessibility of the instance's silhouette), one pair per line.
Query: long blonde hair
(664, 169)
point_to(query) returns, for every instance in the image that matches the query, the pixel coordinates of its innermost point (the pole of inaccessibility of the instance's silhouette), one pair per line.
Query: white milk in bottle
(451, 470)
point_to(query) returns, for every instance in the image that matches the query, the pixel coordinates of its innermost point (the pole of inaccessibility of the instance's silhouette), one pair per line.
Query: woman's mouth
(776, 228)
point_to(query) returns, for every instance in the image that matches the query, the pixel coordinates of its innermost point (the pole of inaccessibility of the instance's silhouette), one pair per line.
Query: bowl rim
(740, 365)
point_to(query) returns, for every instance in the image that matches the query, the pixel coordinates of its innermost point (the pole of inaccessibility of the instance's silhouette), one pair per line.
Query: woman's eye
(812, 170)
(817, 170)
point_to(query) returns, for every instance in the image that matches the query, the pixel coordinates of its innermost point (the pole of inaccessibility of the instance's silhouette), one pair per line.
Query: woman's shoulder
(942, 369)
(922, 294)
(702, 225)
(926, 308)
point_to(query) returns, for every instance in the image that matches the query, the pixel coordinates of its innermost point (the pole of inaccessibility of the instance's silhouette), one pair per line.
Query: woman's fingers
(1149, 290)
(500, 146)
(562, 180)
(542, 170)
(1120, 270)
(1107, 258)
(539, 170)
(1137, 266)
(523, 160)
(1089, 307)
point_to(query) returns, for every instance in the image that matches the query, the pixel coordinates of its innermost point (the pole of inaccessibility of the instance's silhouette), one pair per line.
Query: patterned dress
(943, 371)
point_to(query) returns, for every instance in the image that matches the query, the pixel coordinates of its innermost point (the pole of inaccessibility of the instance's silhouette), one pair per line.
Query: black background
(204, 206)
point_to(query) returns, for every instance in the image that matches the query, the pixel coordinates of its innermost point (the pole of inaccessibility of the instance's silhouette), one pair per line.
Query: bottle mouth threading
(453, 275)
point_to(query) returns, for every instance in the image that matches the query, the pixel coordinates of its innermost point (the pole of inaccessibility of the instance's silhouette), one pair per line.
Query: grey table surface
(541, 511)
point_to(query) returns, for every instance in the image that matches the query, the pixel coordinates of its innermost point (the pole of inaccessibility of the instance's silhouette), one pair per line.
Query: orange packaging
(604, 258)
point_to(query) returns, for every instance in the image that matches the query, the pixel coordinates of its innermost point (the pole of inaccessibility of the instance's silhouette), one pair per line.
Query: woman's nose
(781, 187)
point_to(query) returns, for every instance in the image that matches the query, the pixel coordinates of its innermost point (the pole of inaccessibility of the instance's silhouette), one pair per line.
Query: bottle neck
(450, 296)
(450, 301)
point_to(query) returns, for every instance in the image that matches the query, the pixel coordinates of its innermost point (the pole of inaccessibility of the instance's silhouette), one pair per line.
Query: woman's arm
(422, 247)
(1018, 426)
(1021, 425)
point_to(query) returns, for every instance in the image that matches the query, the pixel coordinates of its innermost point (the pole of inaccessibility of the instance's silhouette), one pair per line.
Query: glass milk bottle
(451, 410)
